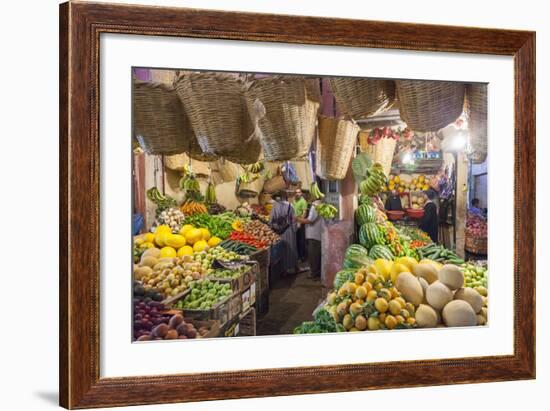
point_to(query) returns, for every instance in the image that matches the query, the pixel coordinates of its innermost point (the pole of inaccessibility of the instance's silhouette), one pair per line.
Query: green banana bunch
(316, 193)
(210, 195)
(163, 202)
(327, 211)
(375, 180)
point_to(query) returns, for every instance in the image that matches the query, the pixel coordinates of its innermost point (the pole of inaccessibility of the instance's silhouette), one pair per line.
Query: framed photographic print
(256, 205)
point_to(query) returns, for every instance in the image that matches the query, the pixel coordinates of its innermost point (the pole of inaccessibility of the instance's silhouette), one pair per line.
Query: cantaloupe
(426, 316)
(151, 252)
(426, 271)
(148, 261)
(141, 272)
(410, 288)
(424, 285)
(452, 276)
(438, 295)
(471, 296)
(458, 313)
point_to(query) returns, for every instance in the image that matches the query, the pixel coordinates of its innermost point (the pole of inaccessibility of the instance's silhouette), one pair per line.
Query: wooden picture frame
(80, 27)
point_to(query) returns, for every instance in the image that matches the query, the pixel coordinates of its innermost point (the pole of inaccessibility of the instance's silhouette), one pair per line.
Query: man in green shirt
(300, 210)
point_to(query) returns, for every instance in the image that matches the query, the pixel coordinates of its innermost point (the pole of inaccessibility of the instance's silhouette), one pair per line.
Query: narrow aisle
(291, 302)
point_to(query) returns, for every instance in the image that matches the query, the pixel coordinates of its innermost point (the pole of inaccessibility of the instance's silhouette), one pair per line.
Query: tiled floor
(291, 302)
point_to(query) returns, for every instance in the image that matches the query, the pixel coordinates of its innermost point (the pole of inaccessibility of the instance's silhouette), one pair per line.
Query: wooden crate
(241, 282)
(247, 323)
(219, 312)
(248, 297)
(212, 325)
(231, 328)
(262, 272)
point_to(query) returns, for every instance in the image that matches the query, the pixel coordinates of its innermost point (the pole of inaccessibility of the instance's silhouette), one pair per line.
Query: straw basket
(429, 105)
(217, 111)
(227, 170)
(476, 108)
(361, 97)
(476, 245)
(336, 142)
(274, 184)
(303, 171)
(284, 116)
(251, 189)
(382, 152)
(176, 162)
(159, 122)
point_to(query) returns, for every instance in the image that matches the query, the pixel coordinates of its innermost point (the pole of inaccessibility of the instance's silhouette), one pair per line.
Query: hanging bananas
(315, 192)
(210, 194)
(255, 168)
(163, 202)
(375, 180)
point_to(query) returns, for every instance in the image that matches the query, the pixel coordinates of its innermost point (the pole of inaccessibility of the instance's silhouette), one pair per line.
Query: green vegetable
(323, 323)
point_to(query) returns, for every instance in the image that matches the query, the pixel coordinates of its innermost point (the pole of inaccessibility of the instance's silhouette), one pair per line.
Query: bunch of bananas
(315, 192)
(163, 202)
(191, 207)
(190, 185)
(327, 211)
(374, 182)
(210, 194)
(248, 177)
(255, 168)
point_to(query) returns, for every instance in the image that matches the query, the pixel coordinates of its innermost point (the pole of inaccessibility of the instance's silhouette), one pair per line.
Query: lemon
(193, 235)
(214, 241)
(186, 228)
(175, 240)
(185, 250)
(167, 252)
(163, 229)
(205, 234)
(200, 245)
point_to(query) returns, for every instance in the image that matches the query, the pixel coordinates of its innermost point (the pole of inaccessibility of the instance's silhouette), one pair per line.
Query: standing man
(283, 222)
(429, 222)
(313, 231)
(300, 208)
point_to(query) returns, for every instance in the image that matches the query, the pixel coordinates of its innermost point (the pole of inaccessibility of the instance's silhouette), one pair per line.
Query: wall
(30, 54)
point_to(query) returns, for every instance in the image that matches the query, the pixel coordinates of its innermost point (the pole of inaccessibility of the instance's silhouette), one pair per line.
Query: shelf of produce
(241, 282)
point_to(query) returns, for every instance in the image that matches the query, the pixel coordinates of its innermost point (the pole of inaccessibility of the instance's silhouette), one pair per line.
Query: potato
(410, 288)
(426, 271)
(148, 261)
(452, 276)
(471, 296)
(426, 316)
(458, 313)
(438, 295)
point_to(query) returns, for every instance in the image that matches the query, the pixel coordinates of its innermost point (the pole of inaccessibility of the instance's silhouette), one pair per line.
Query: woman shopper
(282, 221)
(430, 220)
(314, 228)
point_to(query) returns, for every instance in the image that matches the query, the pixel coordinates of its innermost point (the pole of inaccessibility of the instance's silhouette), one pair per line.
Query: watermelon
(370, 235)
(342, 276)
(365, 214)
(380, 251)
(356, 256)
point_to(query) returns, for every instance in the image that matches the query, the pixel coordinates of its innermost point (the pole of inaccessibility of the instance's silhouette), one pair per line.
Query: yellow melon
(175, 240)
(185, 250)
(193, 235)
(167, 252)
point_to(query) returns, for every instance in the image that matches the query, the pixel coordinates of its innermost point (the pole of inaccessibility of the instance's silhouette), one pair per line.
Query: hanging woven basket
(217, 111)
(227, 170)
(336, 142)
(159, 122)
(361, 97)
(382, 152)
(284, 114)
(476, 109)
(429, 105)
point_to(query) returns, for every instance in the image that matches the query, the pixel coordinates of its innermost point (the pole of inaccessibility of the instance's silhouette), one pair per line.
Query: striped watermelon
(365, 214)
(342, 276)
(370, 235)
(356, 256)
(380, 251)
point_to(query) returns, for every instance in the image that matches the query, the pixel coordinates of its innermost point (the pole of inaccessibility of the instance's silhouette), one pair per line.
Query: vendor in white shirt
(314, 229)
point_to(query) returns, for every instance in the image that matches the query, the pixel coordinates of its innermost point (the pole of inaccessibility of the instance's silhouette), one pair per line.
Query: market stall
(221, 161)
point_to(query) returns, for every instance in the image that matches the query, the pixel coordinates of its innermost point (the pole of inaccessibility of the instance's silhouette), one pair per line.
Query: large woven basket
(429, 105)
(336, 142)
(362, 97)
(217, 111)
(382, 152)
(251, 189)
(284, 115)
(476, 108)
(159, 123)
(274, 184)
(476, 245)
(227, 170)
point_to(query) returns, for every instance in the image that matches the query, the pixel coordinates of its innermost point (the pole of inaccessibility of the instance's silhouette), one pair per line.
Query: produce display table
(263, 257)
